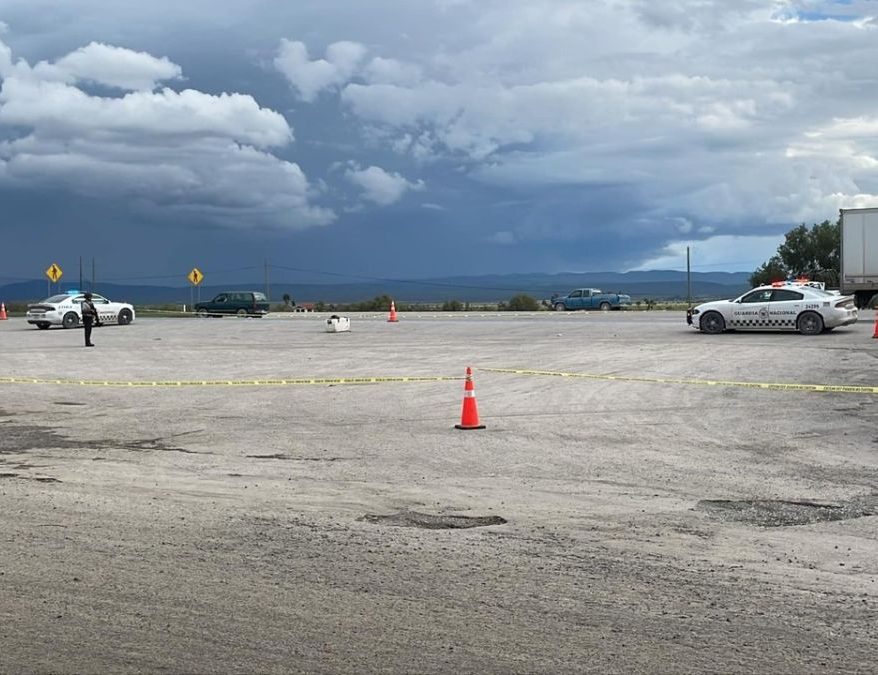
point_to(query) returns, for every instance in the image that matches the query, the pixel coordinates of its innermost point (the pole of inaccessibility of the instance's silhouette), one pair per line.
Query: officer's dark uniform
(89, 318)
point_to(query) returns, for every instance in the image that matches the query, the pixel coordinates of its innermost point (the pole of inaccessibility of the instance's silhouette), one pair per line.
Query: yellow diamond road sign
(195, 276)
(54, 272)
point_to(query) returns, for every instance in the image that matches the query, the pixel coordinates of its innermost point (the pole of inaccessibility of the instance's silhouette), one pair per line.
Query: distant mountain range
(657, 285)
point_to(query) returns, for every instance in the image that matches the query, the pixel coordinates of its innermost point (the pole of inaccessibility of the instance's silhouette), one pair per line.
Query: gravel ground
(596, 525)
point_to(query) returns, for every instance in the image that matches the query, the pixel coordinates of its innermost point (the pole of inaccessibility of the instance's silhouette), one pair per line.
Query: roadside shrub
(521, 303)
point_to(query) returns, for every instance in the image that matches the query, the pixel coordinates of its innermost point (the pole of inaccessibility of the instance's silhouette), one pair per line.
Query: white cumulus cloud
(392, 71)
(725, 114)
(309, 77)
(185, 150)
(115, 67)
(380, 186)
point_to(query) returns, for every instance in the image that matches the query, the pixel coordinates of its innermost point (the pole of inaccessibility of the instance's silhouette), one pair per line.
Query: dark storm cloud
(510, 135)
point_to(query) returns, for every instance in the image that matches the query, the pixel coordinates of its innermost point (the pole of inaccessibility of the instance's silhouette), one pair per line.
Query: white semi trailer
(859, 254)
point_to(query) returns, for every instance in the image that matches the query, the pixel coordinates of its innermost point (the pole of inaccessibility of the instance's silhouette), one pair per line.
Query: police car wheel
(70, 320)
(43, 325)
(810, 323)
(124, 317)
(713, 322)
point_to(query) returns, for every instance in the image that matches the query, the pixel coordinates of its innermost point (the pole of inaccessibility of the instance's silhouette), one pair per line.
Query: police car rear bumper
(43, 317)
(850, 316)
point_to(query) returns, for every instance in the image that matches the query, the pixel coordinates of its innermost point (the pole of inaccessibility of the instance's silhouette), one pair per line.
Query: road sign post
(195, 277)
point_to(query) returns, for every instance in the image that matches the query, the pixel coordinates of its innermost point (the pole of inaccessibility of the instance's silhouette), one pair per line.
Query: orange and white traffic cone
(392, 318)
(874, 333)
(3, 316)
(469, 417)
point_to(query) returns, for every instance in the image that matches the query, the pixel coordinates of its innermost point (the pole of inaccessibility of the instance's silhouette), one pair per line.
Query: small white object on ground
(338, 324)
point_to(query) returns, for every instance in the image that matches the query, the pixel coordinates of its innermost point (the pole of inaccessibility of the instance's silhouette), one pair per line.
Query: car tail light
(847, 303)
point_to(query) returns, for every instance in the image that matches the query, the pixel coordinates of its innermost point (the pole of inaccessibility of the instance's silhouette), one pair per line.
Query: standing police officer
(89, 318)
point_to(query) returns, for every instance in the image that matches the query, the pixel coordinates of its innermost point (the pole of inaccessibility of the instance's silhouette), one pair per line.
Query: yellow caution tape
(825, 388)
(833, 388)
(225, 383)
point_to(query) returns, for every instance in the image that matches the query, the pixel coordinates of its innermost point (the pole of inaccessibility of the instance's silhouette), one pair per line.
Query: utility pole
(92, 274)
(80, 274)
(688, 280)
(267, 283)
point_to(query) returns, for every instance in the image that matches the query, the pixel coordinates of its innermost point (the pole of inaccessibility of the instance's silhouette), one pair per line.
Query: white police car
(66, 310)
(801, 305)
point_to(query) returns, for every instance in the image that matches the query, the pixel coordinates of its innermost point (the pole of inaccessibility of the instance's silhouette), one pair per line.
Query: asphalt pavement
(260, 495)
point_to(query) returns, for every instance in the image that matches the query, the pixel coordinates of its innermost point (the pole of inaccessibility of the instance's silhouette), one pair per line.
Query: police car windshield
(57, 298)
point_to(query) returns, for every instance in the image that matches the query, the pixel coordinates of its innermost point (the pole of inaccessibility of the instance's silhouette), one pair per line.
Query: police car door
(751, 311)
(102, 305)
(784, 308)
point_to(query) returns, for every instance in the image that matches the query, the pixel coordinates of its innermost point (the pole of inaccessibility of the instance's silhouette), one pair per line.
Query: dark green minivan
(241, 303)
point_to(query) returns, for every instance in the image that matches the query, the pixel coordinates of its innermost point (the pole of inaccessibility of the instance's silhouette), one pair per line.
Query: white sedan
(780, 306)
(66, 310)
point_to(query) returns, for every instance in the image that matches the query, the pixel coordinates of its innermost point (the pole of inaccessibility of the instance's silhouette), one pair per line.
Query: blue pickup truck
(590, 298)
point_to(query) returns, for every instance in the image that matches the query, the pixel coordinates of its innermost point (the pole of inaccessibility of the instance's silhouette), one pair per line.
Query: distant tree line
(381, 303)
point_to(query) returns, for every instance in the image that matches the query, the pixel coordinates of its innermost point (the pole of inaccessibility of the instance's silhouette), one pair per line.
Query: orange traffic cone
(469, 417)
(3, 316)
(874, 334)
(392, 318)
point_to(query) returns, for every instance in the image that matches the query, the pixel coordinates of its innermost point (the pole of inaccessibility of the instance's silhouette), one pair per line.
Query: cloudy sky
(424, 138)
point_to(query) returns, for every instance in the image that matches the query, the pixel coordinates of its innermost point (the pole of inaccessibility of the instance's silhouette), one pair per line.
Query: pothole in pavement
(17, 439)
(783, 513)
(426, 521)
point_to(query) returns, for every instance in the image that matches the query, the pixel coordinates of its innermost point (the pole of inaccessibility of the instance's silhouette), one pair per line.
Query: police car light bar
(800, 281)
